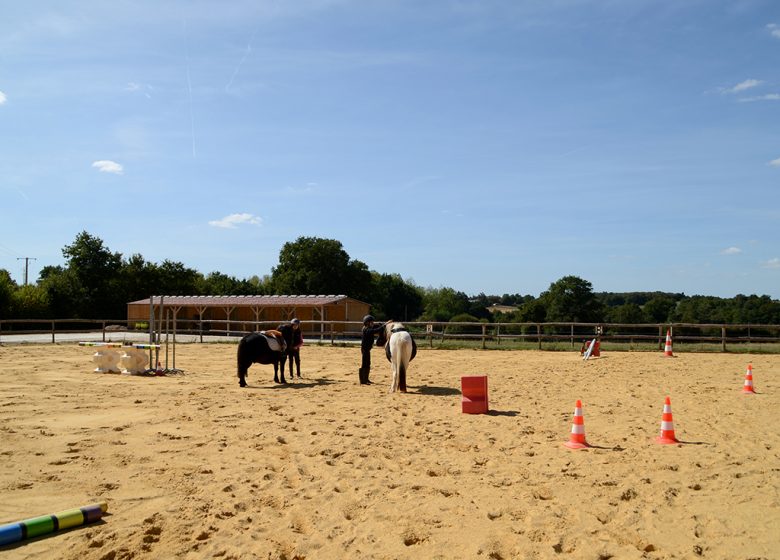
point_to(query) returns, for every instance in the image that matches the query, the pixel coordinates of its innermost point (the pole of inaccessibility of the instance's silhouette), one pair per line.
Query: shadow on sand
(300, 383)
(437, 391)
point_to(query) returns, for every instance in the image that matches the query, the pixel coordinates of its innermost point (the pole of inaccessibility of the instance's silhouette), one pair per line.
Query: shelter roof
(254, 301)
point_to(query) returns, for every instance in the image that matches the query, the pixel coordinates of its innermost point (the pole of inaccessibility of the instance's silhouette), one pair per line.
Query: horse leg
(393, 377)
(242, 372)
(276, 364)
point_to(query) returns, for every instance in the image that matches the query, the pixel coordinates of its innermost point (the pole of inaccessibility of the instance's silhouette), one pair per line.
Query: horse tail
(402, 376)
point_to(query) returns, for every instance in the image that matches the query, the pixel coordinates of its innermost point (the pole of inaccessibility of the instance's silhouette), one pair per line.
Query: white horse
(400, 349)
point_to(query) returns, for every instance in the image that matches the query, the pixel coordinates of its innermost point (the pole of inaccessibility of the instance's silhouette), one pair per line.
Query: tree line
(97, 283)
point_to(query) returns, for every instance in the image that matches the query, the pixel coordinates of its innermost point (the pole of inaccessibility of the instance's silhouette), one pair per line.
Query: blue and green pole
(37, 526)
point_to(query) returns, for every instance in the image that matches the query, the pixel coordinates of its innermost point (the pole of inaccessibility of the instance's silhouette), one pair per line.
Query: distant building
(224, 313)
(497, 308)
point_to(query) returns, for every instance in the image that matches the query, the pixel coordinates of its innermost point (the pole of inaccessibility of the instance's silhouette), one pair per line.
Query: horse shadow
(300, 384)
(437, 391)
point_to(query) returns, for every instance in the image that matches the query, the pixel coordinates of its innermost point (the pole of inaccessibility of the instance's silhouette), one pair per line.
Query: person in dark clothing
(366, 342)
(294, 338)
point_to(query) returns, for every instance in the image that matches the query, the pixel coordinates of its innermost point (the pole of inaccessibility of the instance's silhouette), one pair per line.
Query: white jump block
(133, 361)
(106, 360)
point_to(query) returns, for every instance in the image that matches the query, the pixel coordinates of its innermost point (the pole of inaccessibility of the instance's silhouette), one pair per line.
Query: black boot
(362, 376)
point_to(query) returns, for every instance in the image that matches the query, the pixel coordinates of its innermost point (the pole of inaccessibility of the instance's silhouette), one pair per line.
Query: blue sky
(487, 146)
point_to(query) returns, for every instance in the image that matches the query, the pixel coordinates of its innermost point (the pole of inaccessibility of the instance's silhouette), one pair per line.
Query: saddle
(275, 340)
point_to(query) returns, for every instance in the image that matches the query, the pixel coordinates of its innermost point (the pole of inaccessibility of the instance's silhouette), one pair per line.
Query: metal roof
(254, 301)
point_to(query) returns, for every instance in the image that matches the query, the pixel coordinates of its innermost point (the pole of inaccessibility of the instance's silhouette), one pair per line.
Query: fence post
(539, 334)
(52, 332)
(104, 330)
(723, 338)
(571, 341)
(483, 336)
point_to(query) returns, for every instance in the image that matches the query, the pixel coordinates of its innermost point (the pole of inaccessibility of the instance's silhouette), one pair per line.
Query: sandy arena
(193, 467)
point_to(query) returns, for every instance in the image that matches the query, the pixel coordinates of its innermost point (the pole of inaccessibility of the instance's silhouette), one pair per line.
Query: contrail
(189, 88)
(241, 62)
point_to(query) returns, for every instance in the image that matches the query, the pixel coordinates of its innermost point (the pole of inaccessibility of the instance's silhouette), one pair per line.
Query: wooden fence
(484, 335)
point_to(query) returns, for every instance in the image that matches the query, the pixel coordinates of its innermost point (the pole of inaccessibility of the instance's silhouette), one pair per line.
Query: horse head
(384, 334)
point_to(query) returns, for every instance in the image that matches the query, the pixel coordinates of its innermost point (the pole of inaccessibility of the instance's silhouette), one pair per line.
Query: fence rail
(494, 335)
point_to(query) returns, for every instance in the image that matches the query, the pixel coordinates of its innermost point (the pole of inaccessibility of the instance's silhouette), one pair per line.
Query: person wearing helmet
(294, 338)
(366, 343)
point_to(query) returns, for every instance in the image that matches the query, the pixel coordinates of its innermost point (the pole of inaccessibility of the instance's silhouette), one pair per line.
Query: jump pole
(151, 328)
(175, 313)
(37, 526)
(167, 318)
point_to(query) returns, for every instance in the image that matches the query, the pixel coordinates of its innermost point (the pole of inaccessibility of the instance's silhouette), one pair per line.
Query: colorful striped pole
(37, 526)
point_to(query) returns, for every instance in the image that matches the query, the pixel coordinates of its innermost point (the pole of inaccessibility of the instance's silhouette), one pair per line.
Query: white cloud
(774, 29)
(144, 89)
(742, 86)
(3, 98)
(108, 166)
(767, 97)
(775, 162)
(731, 251)
(233, 220)
(771, 263)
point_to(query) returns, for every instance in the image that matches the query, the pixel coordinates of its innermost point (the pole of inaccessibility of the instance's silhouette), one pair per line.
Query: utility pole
(26, 265)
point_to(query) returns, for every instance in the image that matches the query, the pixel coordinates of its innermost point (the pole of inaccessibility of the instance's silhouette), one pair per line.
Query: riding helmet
(367, 319)
(296, 321)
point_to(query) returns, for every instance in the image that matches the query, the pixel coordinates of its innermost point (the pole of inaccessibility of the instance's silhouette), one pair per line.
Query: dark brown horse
(266, 347)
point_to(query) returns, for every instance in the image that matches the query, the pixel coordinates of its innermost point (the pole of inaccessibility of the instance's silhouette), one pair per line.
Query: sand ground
(192, 467)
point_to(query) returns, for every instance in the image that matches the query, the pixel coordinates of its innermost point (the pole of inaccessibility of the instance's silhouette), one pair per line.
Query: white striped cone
(668, 345)
(577, 437)
(747, 388)
(667, 425)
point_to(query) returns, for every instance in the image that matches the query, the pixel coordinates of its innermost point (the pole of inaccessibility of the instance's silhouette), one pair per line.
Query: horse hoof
(242, 384)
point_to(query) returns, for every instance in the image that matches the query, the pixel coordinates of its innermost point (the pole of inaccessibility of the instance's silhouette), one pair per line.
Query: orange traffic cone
(747, 388)
(667, 425)
(668, 347)
(577, 437)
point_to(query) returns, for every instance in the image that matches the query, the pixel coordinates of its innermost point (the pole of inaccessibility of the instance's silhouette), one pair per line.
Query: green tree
(571, 299)
(7, 289)
(178, 280)
(96, 269)
(393, 298)
(628, 313)
(532, 311)
(30, 302)
(658, 309)
(312, 265)
(63, 291)
(138, 279)
(441, 304)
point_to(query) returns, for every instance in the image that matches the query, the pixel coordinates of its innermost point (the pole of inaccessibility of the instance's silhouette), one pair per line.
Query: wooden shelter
(234, 313)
